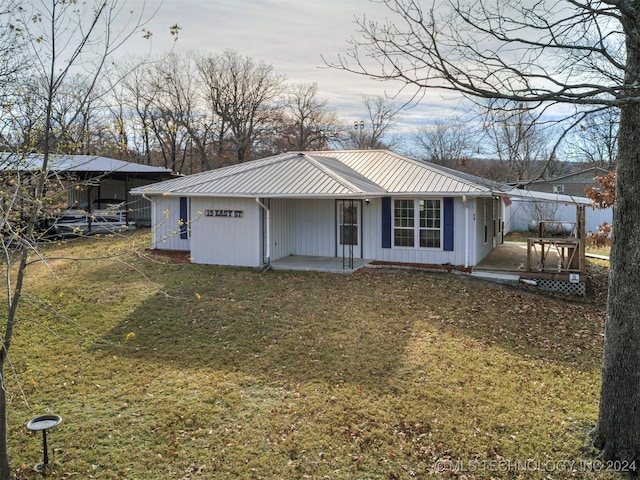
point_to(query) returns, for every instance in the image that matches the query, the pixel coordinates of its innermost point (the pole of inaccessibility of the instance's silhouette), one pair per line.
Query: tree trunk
(617, 432)
(4, 454)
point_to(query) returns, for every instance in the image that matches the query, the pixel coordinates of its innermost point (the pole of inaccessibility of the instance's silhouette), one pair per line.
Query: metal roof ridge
(335, 175)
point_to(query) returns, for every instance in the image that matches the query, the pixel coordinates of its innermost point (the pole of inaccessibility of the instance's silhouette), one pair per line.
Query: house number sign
(224, 213)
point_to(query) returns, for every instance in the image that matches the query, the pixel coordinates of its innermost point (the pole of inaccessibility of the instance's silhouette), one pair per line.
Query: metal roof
(535, 196)
(399, 174)
(347, 173)
(89, 165)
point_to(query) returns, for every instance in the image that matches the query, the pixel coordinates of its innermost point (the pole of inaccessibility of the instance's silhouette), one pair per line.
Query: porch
(550, 264)
(308, 263)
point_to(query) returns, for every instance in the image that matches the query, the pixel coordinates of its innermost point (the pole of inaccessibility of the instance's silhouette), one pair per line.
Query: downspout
(267, 265)
(466, 232)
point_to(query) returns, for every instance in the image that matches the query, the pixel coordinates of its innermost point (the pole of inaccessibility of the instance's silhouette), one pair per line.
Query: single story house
(364, 204)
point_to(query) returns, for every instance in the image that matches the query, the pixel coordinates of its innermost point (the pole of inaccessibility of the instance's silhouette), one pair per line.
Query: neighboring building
(522, 212)
(89, 178)
(573, 184)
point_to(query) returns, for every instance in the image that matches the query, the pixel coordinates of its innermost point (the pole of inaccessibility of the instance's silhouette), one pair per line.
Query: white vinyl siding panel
(224, 240)
(372, 223)
(280, 214)
(166, 221)
(302, 227)
(484, 216)
(313, 228)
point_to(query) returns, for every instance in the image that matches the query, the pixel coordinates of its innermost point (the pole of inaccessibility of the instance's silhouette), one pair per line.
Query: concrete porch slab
(317, 264)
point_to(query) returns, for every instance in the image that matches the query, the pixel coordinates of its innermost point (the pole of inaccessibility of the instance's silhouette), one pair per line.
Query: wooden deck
(511, 258)
(508, 257)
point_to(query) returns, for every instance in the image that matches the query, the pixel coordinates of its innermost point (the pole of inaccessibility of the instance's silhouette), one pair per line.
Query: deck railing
(555, 255)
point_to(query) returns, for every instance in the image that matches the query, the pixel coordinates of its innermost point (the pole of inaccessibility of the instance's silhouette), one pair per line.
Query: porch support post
(580, 226)
(465, 201)
(267, 230)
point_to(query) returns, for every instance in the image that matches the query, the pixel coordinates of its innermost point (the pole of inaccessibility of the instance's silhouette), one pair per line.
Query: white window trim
(416, 224)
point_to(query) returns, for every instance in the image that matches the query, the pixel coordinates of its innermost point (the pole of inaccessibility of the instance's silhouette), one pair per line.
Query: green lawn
(165, 370)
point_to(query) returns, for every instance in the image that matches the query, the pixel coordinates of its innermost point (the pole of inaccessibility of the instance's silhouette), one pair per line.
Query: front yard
(162, 369)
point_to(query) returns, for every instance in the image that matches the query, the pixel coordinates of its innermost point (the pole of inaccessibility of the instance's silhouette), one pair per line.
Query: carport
(88, 178)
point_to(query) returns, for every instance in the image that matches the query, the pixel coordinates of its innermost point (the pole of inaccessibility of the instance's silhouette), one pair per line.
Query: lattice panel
(563, 286)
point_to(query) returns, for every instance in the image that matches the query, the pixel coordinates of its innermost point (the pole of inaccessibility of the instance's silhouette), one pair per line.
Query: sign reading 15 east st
(224, 213)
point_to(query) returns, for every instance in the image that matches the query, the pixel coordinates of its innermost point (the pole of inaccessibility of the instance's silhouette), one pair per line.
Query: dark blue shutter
(386, 222)
(184, 218)
(447, 215)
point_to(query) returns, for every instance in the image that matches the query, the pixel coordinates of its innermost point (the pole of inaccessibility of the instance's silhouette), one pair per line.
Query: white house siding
(313, 228)
(280, 215)
(303, 227)
(165, 215)
(308, 227)
(372, 229)
(519, 215)
(225, 240)
(432, 256)
(484, 214)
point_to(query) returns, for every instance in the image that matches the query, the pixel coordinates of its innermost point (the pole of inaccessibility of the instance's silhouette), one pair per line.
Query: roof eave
(362, 195)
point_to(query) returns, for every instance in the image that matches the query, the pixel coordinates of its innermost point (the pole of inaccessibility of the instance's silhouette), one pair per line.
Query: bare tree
(61, 36)
(373, 132)
(596, 140)
(309, 123)
(132, 106)
(518, 141)
(445, 142)
(171, 108)
(243, 94)
(12, 60)
(580, 54)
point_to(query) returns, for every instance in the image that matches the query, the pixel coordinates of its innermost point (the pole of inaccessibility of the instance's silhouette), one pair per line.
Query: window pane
(430, 223)
(403, 237)
(348, 235)
(349, 214)
(403, 214)
(430, 238)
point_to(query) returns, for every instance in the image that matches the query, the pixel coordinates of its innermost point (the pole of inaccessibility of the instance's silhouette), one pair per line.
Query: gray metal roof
(535, 196)
(88, 164)
(359, 173)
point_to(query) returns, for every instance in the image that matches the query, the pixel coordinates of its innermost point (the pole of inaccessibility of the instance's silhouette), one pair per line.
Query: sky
(291, 35)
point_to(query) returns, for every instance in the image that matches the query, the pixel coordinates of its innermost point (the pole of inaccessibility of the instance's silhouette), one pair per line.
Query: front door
(348, 228)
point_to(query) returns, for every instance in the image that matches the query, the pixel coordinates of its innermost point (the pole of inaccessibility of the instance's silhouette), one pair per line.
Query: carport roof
(87, 166)
(535, 196)
(347, 173)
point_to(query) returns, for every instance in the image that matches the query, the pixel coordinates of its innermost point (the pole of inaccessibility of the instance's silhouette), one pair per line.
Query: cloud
(291, 35)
